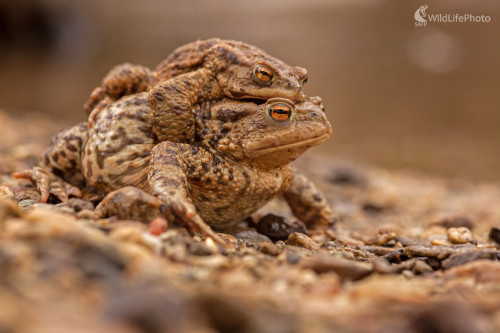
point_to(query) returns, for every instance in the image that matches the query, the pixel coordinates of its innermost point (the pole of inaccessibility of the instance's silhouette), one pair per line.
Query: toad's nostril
(314, 114)
(316, 100)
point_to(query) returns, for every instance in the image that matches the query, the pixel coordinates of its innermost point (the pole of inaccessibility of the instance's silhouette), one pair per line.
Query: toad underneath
(239, 160)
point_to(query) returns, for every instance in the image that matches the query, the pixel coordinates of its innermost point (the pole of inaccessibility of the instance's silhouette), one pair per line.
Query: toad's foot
(308, 203)
(47, 183)
(132, 203)
(186, 212)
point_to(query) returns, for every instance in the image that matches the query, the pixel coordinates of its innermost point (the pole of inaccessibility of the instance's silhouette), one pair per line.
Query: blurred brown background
(398, 96)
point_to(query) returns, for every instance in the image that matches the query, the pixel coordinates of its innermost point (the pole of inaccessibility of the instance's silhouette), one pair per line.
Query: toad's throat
(257, 149)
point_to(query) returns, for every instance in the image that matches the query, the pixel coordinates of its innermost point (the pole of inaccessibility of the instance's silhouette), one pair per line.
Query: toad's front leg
(168, 182)
(172, 104)
(308, 203)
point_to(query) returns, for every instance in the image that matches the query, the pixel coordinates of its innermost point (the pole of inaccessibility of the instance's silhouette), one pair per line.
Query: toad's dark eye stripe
(263, 73)
(280, 112)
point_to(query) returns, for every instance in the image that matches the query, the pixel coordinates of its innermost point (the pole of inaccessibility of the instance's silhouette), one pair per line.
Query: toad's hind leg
(60, 171)
(47, 183)
(122, 80)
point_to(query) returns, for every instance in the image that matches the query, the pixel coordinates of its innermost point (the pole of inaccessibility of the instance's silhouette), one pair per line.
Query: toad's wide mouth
(261, 95)
(257, 149)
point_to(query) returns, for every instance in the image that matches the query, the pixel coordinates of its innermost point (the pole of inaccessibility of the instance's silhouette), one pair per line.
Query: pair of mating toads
(206, 139)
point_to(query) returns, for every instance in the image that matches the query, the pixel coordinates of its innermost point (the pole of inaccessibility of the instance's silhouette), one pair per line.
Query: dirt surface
(409, 253)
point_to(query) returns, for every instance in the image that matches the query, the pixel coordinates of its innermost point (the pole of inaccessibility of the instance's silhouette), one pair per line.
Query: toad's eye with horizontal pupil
(280, 112)
(263, 73)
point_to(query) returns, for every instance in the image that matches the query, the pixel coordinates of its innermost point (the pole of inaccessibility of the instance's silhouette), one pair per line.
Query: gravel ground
(410, 253)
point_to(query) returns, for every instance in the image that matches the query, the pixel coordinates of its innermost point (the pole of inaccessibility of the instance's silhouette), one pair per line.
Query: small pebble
(204, 247)
(460, 235)
(131, 234)
(9, 208)
(6, 193)
(26, 203)
(301, 240)
(281, 244)
(382, 266)
(440, 242)
(251, 238)
(86, 214)
(230, 240)
(293, 258)
(158, 226)
(269, 248)
(421, 267)
(408, 274)
(384, 237)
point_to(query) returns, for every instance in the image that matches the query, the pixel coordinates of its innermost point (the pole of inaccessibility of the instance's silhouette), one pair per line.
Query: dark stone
(251, 237)
(406, 241)
(278, 227)
(79, 204)
(347, 176)
(346, 269)
(456, 222)
(379, 250)
(447, 316)
(227, 314)
(458, 259)
(495, 234)
(370, 207)
(396, 256)
(433, 263)
(438, 252)
(152, 311)
(293, 258)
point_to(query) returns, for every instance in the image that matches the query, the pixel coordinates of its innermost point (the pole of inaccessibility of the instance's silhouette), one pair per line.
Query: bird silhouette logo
(420, 14)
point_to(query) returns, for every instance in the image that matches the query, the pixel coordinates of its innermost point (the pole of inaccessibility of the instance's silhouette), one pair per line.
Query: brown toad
(196, 72)
(239, 160)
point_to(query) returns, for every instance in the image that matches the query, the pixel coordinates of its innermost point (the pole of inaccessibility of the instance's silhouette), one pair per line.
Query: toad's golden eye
(280, 112)
(263, 73)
